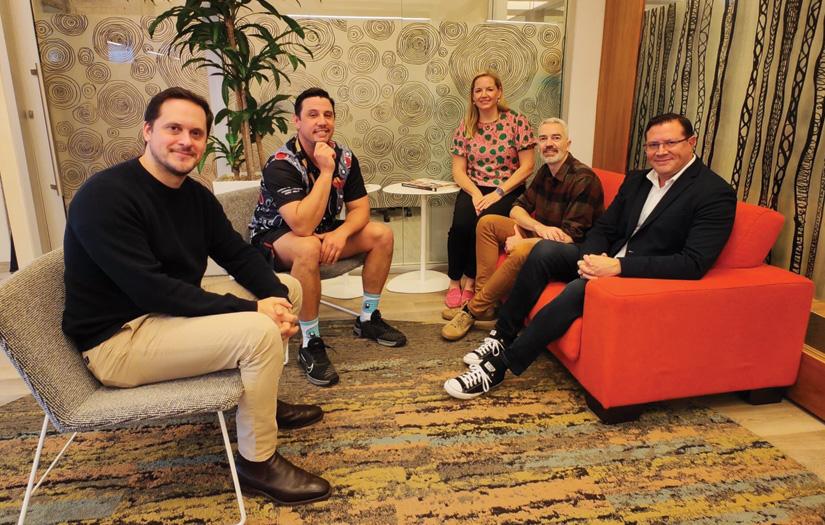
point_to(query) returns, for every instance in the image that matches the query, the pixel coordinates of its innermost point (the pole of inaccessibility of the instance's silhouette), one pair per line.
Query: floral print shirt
(492, 153)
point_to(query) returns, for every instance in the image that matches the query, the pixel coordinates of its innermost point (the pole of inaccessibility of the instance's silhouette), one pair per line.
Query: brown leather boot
(281, 481)
(296, 416)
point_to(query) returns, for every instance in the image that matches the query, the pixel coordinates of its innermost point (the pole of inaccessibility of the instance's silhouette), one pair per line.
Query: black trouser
(548, 261)
(461, 240)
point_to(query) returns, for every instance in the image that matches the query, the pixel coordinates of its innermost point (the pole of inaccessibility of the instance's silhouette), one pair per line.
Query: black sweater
(134, 246)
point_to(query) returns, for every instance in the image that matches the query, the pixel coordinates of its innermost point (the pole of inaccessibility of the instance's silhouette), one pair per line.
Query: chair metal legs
(340, 308)
(232, 468)
(31, 487)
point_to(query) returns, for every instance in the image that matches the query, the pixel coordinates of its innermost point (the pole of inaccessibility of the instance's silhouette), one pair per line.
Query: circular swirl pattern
(298, 82)
(412, 153)
(173, 75)
(387, 91)
(355, 34)
(339, 23)
(71, 25)
(413, 104)
(378, 142)
(434, 170)
(86, 56)
(62, 91)
(382, 112)
(367, 167)
(112, 133)
(398, 74)
(88, 90)
(527, 106)
(121, 149)
(363, 58)
(117, 39)
(434, 135)
(362, 126)
(335, 73)
(85, 113)
(452, 32)
(64, 128)
(72, 175)
(364, 92)
(43, 29)
(499, 48)
(143, 69)
(319, 37)
(98, 73)
(120, 104)
(529, 31)
(442, 52)
(379, 29)
(388, 59)
(151, 89)
(342, 113)
(550, 35)
(449, 111)
(164, 30)
(436, 71)
(548, 98)
(403, 130)
(551, 60)
(337, 52)
(61, 146)
(385, 165)
(417, 43)
(442, 90)
(57, 56)
(85, 144)
(343, 93)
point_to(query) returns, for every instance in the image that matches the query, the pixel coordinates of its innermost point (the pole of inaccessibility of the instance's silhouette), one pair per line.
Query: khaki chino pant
(493, 284)
(155, 348)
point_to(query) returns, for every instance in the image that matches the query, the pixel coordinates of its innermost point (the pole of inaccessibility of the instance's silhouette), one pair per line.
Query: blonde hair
(471, 118)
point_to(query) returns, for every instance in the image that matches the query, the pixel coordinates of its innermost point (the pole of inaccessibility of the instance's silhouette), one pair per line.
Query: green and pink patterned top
(492, 153)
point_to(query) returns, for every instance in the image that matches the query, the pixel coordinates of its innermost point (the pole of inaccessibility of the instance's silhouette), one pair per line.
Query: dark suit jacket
(683, 235)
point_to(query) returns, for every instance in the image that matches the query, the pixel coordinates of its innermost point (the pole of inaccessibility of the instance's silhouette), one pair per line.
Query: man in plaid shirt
(562, 203)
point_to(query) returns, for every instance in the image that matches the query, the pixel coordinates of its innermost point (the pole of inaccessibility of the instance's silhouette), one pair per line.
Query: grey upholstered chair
(31, 306)
(239, 206)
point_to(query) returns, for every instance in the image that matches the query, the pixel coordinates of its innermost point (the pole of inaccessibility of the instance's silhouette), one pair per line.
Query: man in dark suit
(670, 222)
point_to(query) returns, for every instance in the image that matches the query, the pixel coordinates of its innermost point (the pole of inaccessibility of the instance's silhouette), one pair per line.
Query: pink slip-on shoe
(467, 296)
(453, 298)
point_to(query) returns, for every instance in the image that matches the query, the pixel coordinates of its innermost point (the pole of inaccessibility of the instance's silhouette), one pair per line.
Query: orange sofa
(739, 328)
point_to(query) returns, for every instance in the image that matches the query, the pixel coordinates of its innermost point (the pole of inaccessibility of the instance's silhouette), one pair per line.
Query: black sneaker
(317, 366)
(492, 344)
(480, 379)
(379, 331)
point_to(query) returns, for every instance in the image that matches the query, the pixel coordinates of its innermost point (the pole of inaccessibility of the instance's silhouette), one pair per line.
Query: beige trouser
(493, 284)
(155, 348)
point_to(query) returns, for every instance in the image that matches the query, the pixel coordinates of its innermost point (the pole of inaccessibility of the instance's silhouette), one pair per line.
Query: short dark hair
(312, 92)
(669, 117)
(153, 108)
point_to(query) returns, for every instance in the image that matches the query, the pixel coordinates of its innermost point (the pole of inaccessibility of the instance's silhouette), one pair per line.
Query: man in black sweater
(136, 243)
(669, 222)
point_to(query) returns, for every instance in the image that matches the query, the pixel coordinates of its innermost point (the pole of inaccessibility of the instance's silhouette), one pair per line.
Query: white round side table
(421, 280)
(346, 286)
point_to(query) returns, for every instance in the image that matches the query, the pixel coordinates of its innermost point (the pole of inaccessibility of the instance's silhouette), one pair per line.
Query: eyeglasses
(668, 145)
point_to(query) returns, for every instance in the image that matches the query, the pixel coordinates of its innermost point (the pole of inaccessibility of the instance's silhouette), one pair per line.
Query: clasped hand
(280, 311)
(552, 233)
(595, 266)
(482, 202)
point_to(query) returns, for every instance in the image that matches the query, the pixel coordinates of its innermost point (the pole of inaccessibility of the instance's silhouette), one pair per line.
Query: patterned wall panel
(759, 121)
(400, 87)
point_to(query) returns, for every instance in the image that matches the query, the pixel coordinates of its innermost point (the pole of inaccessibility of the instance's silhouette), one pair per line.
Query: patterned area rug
(397, 449)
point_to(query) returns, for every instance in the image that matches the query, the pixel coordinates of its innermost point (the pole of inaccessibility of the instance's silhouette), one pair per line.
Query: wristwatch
(499, 192)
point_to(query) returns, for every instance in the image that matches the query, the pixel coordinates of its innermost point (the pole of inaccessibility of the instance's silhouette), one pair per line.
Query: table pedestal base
(342, 287)
(419, 281)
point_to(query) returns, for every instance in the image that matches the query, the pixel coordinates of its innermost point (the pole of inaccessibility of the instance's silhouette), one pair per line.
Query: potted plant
(222, 36)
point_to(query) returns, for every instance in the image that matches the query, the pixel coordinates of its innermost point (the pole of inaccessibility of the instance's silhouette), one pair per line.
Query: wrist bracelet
(499, 192)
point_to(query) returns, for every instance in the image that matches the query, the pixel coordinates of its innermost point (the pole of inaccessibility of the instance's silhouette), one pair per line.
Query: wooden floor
(789, 428)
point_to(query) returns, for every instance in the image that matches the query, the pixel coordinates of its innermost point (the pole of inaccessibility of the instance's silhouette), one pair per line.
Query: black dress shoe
(297, 416)
(281, 481)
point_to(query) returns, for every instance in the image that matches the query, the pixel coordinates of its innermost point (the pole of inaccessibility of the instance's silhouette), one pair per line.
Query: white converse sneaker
(478, 380)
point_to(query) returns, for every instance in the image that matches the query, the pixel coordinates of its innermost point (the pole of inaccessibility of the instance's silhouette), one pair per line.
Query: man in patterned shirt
(561, 204)
(304, 186)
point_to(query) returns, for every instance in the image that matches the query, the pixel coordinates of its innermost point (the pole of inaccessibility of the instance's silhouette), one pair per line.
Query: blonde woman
(492, 158)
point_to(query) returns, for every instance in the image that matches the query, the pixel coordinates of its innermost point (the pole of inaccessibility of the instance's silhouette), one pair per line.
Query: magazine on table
(426, 183)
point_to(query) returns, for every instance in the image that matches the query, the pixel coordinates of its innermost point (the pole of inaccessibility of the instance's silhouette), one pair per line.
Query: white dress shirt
(656, 194)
